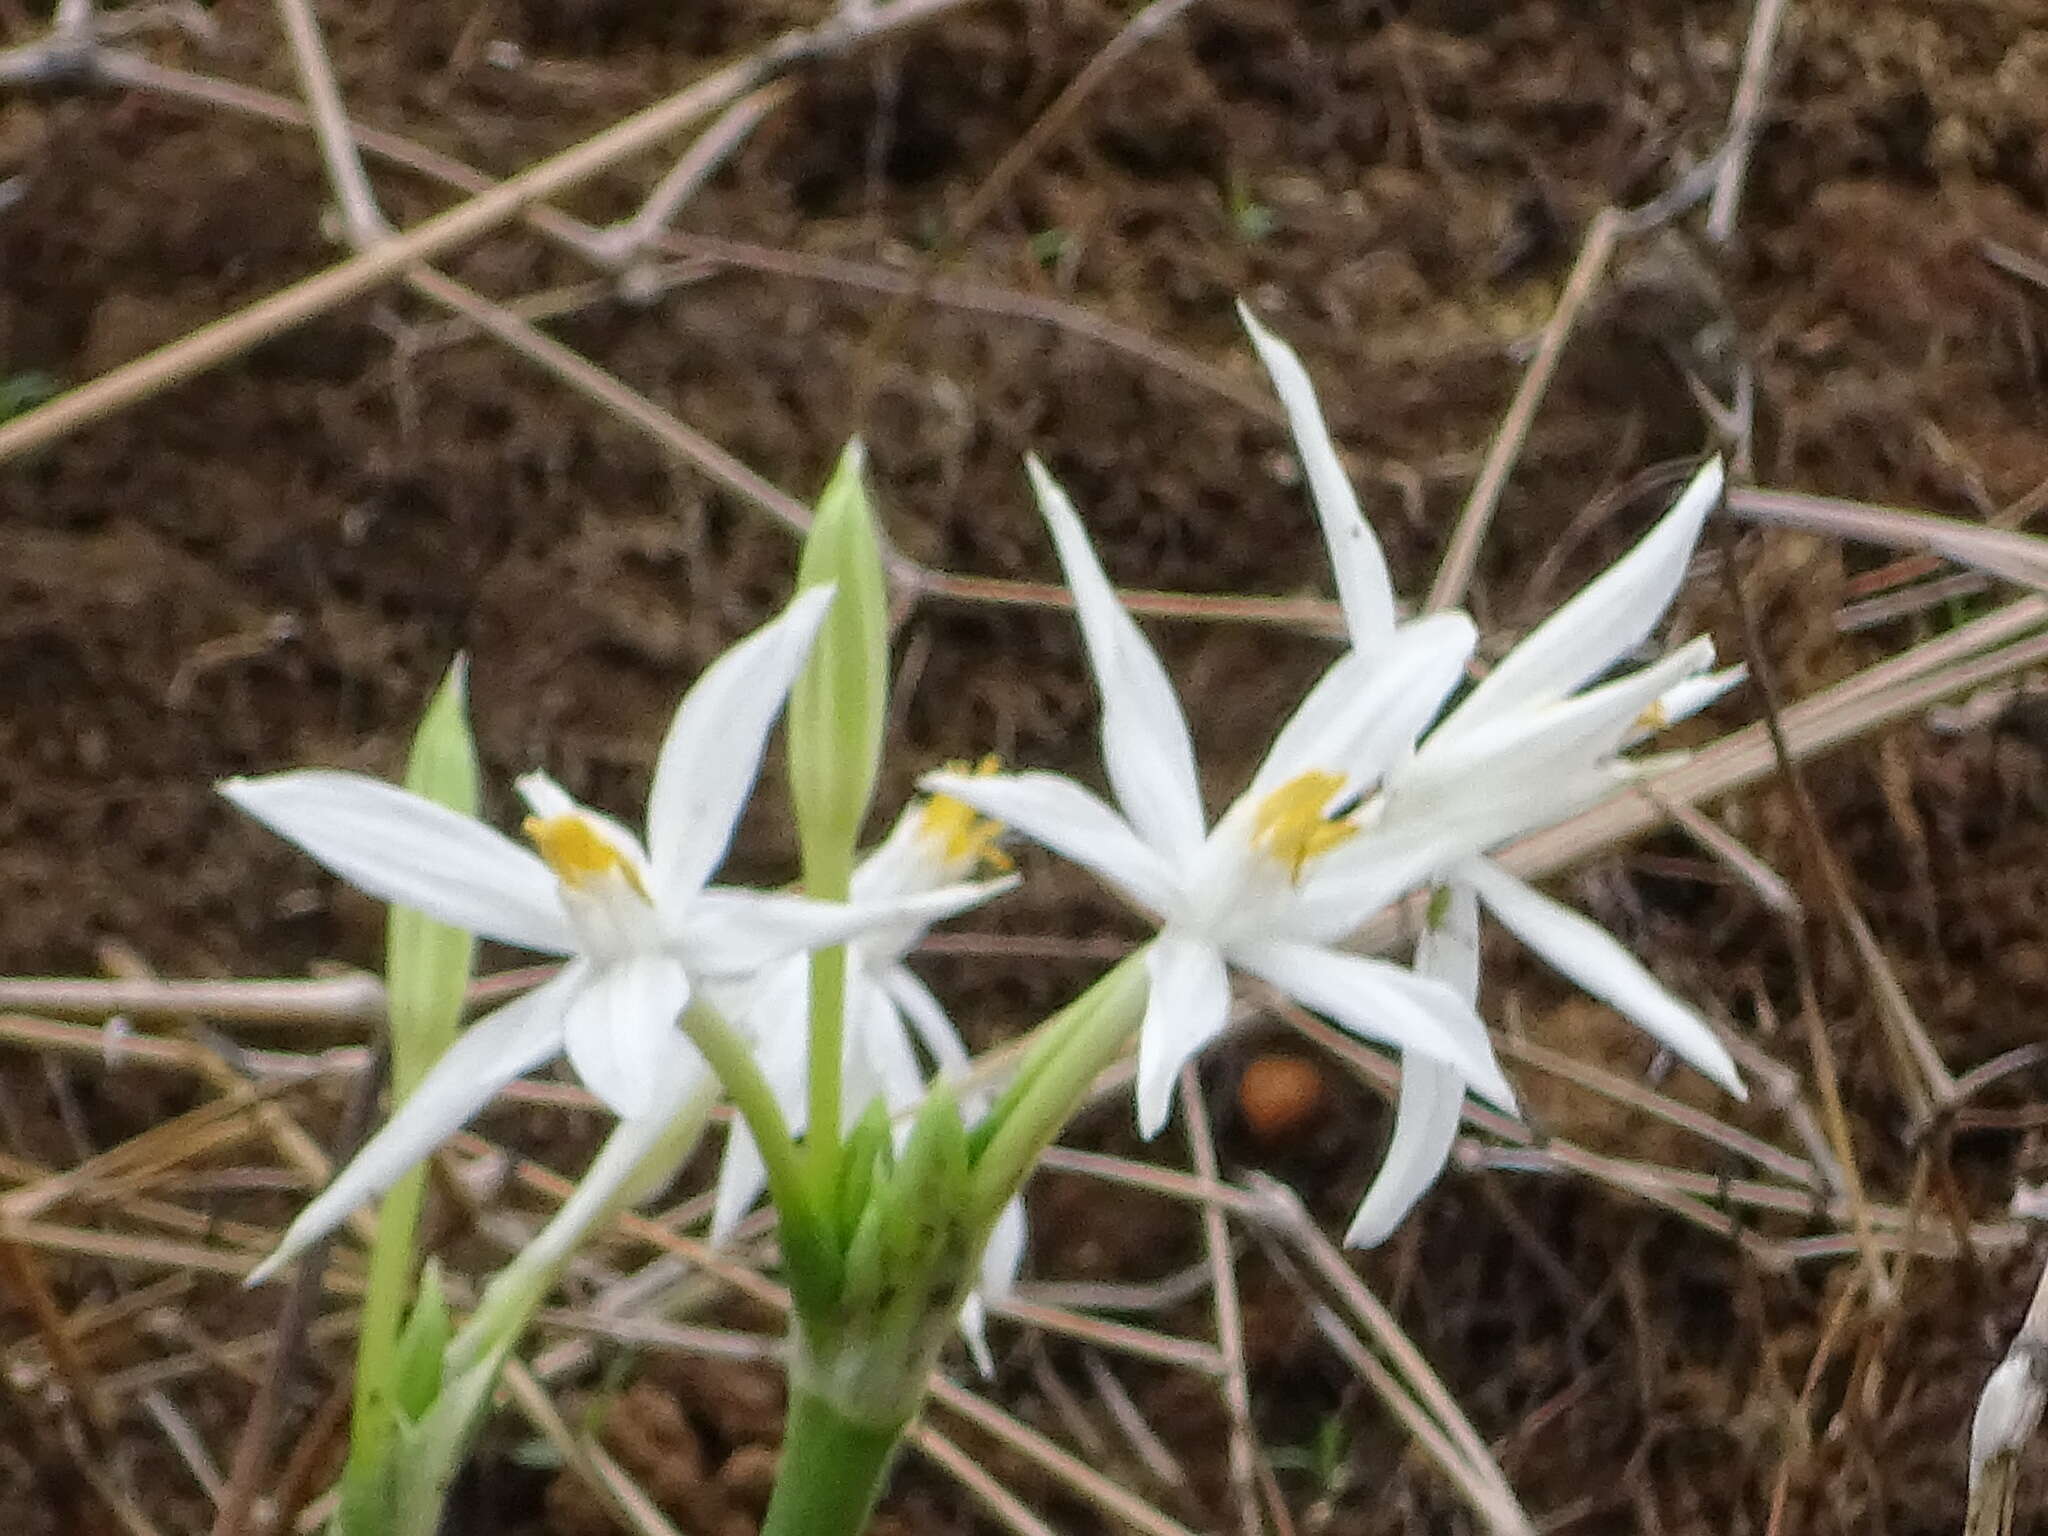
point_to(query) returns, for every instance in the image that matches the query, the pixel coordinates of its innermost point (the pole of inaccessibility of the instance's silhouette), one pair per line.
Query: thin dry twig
(1447, 1433)
(235, 334)
(1461, 557)
(262, 1429)
(1237, 1401)
(1745, 116)
(1119, 1503)
(987, 1490)
(625, 242)
(360, 214)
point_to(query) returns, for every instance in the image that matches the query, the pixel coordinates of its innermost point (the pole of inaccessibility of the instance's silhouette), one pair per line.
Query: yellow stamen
(964, 836)
(577, 852)
(1290, 823)
(1654, 718)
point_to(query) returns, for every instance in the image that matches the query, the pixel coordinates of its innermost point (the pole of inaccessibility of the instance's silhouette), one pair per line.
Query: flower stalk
(833, 1469)
(837, 711)
(427, 968)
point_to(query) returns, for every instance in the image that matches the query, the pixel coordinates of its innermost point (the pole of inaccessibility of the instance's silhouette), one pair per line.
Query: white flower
(889, 1015)
(637, 925)
(1528, 746)
(1279, 878)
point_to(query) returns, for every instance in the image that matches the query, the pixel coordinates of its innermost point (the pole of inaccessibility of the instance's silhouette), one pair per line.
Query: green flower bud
(427, 965)
(839, 705)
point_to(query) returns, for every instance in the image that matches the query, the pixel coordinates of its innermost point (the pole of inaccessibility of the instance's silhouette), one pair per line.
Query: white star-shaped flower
(638, 925)
(1530, 745)
(1279, 879)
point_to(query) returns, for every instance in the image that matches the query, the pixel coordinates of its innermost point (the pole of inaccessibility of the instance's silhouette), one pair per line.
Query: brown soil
(271, 566)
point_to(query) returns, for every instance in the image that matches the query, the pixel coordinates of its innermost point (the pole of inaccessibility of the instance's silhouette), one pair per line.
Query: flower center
(578, 853)
(1293, 825)
(965, 838)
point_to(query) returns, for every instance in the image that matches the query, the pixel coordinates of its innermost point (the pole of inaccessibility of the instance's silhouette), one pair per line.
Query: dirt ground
(271, 565)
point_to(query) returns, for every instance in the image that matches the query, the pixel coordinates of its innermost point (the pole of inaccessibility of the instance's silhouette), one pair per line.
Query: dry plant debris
(1528, 251)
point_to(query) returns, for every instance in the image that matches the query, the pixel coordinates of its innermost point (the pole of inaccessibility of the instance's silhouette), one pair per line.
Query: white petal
(638, 1158)
(712, 753)
(500, 1046)
(773, 1009)
(1187, 1006)
(1585, 952)
(1059, 814)
(741, 1178)
(405, 849)
(1695, 694)
(1507, 771)
(1350, 885)
(1363, 587)
(1609, 618)
(1004, 1256)
(729, 932)
(1000, 1261)
(1448, 948)
(1425, 1126)
(1145, 745)
(622, 1032)
(903, 861)
(1384, 1002)
(927, 1018)
(880, 1058)
(1364, 713)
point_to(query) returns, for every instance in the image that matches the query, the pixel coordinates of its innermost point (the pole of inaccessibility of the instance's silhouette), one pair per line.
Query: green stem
(831, 1473)
(1084, 1040)
(827, 1064)
(386, 1297)
(809, 1254)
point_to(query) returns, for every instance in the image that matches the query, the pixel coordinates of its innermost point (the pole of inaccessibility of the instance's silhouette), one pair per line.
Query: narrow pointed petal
(1520, 757)
(402, 848)
(1145, 744)
(928, 1019)
(1688, 698)
(1585, 952)
(1003, 1258)
(1448, 949)
(729, 932)
(712, 753)
(1384, 1002)
(1187, 1007)
(1608, 619)
(637, 1159)
(880, 1057)
(1363, 587)
(622, 1033)
(742, 1175)
(499, 1047)
(1364, 713)
(1059, 814)
(1000, 1261)
(1425, 1127)
(1351, 885)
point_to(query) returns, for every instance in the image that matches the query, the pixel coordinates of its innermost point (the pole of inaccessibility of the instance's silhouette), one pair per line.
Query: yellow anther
(577, 852)
(966, 838)
(1291, 823)
(1654, 718)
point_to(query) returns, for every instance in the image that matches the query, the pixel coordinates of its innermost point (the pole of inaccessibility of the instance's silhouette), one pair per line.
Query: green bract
(838, 707)
(426, 972)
